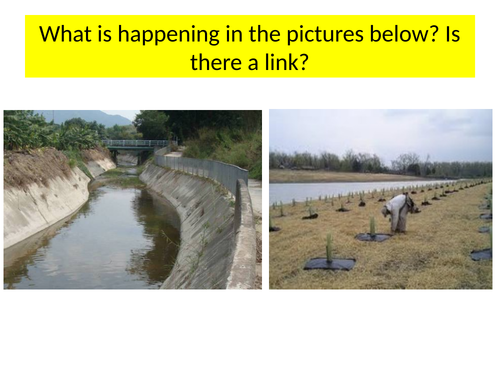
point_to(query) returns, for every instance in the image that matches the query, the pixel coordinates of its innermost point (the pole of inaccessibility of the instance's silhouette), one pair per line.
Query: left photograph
(132, 199)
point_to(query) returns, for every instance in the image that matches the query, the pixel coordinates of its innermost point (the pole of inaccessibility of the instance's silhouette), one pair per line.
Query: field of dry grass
(289, 176)
(433, 254)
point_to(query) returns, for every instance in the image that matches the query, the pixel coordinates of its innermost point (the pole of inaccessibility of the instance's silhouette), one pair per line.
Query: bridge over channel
(135, 144)
(140, 148)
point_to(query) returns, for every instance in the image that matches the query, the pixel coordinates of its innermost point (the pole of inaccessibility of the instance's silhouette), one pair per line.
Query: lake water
(300, 191)
(120, 239)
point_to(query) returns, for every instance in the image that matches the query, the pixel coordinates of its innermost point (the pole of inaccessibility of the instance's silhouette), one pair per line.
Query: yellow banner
(250, 46)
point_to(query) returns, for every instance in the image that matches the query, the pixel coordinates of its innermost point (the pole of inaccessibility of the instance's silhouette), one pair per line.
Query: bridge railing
(135, 143)
(225, 174)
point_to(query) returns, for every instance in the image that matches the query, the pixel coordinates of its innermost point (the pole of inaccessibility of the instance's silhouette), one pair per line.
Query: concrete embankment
(98, 161)
(127, 159)
(217, 247)
(40, 189)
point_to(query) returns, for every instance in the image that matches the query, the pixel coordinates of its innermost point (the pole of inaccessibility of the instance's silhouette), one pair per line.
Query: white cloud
(447, 135)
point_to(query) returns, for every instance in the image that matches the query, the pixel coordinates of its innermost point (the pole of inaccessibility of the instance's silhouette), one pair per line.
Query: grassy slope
(433, 254)
(246, 153)
(289, 176)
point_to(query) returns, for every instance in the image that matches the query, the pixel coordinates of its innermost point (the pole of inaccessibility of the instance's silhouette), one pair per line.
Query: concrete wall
(36, 207)
(127, 158)
(216, 250)
(98, 167)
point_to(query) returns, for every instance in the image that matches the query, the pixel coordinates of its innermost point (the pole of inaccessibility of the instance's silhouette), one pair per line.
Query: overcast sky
(128, 114)
(446, 135)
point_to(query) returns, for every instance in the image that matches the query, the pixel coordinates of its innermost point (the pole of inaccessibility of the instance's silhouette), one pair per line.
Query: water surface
(120, 239)
(300, 191)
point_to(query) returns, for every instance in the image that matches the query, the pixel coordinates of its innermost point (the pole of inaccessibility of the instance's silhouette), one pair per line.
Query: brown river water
(122, 238)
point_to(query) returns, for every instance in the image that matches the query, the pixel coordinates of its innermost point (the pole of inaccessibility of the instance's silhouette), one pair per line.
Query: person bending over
(398, 207)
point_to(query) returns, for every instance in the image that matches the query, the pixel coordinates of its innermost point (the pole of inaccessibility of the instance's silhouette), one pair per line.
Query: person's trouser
(398, 219)
(402, 219)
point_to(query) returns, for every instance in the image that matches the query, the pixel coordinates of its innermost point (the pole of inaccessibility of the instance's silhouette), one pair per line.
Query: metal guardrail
(226, 174)
(136, 143)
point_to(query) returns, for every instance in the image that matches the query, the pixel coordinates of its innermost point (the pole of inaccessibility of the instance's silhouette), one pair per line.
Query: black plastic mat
(484, 229)
(378, 237)
(334, 265)
(482, 254)
(274, 229)
(486, 216)
(310, 217)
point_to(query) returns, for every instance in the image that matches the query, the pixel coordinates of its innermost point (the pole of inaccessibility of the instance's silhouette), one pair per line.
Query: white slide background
(250, 332)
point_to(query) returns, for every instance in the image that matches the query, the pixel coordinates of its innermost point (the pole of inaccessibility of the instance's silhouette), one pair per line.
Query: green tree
(152, 124)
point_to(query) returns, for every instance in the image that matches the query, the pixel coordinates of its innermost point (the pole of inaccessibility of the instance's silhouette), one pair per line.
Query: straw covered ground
(293, 176)
(433, 254)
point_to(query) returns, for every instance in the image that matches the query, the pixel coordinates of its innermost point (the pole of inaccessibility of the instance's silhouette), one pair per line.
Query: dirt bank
(289, 176)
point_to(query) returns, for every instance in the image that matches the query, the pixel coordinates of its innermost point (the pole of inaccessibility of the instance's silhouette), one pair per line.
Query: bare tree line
(407, 164)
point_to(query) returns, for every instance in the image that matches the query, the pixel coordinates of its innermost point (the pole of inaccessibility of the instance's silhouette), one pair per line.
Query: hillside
(98, 116)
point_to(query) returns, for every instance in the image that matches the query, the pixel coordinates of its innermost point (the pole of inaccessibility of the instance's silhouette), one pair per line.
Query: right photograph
(380, 199)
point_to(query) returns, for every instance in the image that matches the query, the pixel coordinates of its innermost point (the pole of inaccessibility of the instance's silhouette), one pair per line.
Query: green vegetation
(76, 160)
(405, 164)
(372, 226)
(127, 132)
(233, 146)
(233, 137)
(24, 130)
(118, 177)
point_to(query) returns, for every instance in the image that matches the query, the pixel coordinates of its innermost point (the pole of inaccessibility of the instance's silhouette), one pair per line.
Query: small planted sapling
(272, 228)
(425, 202)
(372, 226)
(329, 248)
(484, 254)
(312, 214)
(282, 212)
(362, 201)
(342, 208)
(329, 263)
(372, 236)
